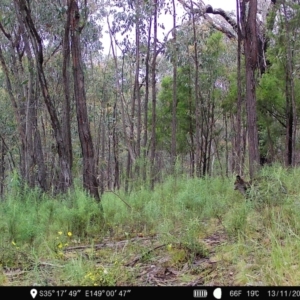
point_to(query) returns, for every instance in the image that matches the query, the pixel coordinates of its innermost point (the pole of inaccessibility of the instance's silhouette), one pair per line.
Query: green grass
(187, 229)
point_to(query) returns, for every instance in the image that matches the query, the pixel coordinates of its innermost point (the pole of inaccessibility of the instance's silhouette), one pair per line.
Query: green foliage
(275, 87)
(187, 219)
(30, 215)
(212, 75)
(184, 111)
(236, 221)
(100, 276)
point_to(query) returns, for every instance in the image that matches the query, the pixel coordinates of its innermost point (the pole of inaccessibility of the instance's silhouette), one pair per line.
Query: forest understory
(123, 127)
(187, 232)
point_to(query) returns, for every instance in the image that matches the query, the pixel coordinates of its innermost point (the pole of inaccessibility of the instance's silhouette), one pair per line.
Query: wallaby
(265, 185)
(241, 185)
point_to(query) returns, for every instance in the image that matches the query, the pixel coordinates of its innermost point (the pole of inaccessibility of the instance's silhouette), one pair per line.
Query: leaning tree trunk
(89, 175)
(17, 114)
(34, 149)
(36, 43)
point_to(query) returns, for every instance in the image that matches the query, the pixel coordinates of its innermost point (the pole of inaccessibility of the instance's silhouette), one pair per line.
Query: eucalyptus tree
(133, 30)
(290, 12)
(147, 92)
(104, 111)
(41, 50)
(123, 17)
(17, 61)
(255, 44)
(212, 83)
(249, 32)
(77, 22)
(8, 137)
(153, 90)
(89, 178)
(279, 87)
(198, 96)
(174, 102)
(185, 110)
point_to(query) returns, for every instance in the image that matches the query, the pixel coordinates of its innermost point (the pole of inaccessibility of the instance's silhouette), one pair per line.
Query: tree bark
(116, 151)
(197, 100)
(248, 23)
(90, 182)
(153, 70)
(238, 144)
(290, 96)
(66, 119)
(136, 81)
(147, 85)
(174, 102)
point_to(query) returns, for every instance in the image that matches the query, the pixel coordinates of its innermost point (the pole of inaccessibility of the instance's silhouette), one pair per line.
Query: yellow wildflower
(60, 254)
(69, 233)
(60, 232)
(169, 247)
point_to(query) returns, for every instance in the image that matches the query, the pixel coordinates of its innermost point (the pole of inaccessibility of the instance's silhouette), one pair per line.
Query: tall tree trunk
(39, 157)
(90, 182)
(289, 122)
(174, 102)
(2, 168)
(147, 67)
(211, 134)
(136, 81)
(197, 99)
(153, 70)
(191, 127)
(66, 119)
(102, 153)
(232, 161)
(290, 96)
(116, 151)
(248, 21)
(109, 157)
(238, 144)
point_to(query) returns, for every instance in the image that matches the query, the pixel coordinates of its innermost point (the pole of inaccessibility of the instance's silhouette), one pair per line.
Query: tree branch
(203, 10)
(4, 32)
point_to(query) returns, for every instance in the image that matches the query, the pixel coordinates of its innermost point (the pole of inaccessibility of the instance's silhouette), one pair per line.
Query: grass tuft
(186, 229)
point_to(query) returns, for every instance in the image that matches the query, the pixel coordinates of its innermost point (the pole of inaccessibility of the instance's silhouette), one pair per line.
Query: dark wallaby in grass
(266, 184)
(241, 185)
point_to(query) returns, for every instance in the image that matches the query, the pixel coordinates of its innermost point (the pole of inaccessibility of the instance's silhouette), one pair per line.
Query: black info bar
(167, 292)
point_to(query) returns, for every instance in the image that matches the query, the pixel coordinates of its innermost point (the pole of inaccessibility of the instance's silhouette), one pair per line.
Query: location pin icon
(33, 293)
